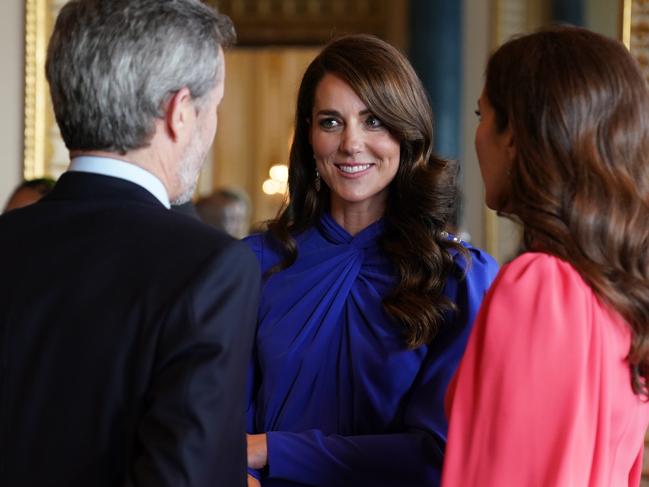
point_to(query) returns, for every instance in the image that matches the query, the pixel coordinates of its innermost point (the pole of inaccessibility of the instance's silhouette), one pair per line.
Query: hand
(257, 451)
(253, 482)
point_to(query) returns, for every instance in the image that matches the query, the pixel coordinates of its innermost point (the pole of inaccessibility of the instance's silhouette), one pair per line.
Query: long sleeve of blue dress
(342, 400)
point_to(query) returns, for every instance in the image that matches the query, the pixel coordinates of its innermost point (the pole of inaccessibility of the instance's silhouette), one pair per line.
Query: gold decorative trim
(313, 22)
(634, 30)
(35, 88)
(637, 19)
(626, 6)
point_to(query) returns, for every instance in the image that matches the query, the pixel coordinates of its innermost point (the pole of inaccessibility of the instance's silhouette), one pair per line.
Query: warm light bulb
(279, 173)
(270, 187)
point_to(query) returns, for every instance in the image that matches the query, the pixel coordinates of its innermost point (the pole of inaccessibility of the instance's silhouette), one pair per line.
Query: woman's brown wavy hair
(578, 107)
(421, 196)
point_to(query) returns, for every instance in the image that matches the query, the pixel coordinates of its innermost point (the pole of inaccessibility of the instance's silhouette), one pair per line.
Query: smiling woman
(355, 153)
(368, 302)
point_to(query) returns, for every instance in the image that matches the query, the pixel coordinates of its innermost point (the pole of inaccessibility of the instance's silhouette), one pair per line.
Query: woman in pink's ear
(552, 390)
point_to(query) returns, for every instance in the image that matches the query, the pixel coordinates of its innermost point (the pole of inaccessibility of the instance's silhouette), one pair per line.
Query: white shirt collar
(123, 170)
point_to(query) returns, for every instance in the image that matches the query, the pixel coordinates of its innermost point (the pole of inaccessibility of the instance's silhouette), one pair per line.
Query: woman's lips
(353, 169)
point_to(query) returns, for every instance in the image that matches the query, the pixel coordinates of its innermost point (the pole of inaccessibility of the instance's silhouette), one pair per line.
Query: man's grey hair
(112, 66)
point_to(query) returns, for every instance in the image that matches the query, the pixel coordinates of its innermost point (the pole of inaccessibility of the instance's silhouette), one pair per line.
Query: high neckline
(336, 234)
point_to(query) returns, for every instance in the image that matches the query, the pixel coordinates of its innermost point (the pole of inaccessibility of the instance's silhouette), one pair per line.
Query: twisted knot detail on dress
(366, 238)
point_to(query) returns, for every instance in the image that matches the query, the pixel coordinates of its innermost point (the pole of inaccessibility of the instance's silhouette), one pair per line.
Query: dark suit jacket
(125, 334)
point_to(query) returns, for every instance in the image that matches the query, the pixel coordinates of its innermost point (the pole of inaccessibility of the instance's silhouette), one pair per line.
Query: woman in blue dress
(367, 302)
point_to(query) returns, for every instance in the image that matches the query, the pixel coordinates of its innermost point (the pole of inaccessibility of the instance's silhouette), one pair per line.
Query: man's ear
(180, 114)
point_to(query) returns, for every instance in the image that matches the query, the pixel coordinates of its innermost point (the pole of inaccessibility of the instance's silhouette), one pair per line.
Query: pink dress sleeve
(533, 402)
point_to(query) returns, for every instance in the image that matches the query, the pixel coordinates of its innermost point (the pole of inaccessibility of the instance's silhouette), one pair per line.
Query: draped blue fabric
(343, 401)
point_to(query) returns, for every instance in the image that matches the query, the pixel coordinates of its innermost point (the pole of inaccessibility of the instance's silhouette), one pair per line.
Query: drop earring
(317, 180)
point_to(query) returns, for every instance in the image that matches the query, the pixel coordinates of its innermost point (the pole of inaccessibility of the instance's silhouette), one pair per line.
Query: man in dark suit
(126, 328)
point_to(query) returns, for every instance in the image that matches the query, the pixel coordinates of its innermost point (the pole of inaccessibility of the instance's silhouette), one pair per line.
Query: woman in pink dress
(552, 390)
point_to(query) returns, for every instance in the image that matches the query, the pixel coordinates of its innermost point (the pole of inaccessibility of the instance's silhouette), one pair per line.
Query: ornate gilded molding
(310, 22)
(625, 22)
(635, 31)
(35, 86)
(44, 153)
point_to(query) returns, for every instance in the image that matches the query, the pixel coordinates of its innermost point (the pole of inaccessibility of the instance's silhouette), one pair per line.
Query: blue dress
(342, 400)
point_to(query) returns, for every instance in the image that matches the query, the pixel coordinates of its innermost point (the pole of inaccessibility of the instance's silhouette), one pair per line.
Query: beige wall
(11, 96)
(603, 16)
(256, 120)
(477, 42)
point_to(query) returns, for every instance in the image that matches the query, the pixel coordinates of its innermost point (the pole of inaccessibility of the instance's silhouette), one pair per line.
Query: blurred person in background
(227, 209)
(29, 192)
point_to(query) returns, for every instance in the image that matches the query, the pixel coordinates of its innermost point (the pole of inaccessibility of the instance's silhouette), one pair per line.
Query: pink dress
(543, 396)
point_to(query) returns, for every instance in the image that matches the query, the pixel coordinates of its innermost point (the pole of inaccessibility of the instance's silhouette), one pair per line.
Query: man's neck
(143, 158)
(111, 155)
(105, 163)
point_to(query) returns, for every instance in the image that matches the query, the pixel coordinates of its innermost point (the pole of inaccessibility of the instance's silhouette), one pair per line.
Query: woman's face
(356, 155)
(495, 153)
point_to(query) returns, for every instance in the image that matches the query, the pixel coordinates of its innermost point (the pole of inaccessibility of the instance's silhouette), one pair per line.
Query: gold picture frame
(44, 153)
(625, 22)
(634, 31)
(35, 88)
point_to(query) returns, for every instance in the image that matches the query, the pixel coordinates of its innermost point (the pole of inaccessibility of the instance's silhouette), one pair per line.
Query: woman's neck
(355, 217)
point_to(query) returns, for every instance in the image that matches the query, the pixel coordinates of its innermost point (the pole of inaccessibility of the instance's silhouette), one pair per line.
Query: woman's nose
(352, 140)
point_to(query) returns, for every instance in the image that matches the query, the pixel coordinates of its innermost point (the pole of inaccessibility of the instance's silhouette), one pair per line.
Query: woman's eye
(477, 112)
(328, 123)
(373, 122)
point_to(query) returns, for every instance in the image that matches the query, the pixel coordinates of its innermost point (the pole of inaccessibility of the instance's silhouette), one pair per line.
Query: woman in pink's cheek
(496, 153)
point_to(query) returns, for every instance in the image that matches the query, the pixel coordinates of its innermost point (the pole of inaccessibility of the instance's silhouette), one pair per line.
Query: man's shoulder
(181, 234)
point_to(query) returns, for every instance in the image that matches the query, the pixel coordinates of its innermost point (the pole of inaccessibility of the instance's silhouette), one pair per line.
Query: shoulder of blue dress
(477, 261)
